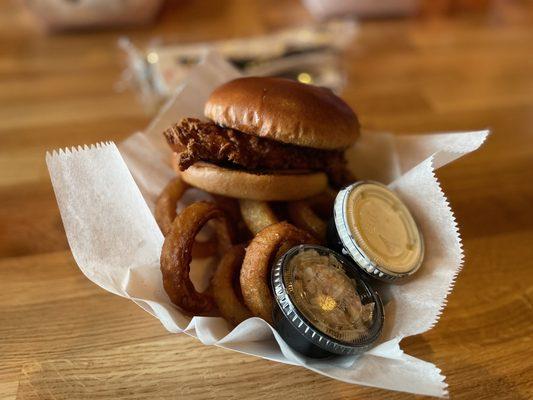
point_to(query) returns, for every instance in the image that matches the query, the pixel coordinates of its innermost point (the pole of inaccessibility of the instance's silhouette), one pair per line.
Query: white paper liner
(117, 243)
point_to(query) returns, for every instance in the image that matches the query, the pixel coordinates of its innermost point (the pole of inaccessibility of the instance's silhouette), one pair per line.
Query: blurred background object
(78, 14)
(322, 9)
(362, 8)
(309, 54)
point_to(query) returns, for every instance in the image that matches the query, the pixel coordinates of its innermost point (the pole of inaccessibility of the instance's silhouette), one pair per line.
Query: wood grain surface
(61, 337)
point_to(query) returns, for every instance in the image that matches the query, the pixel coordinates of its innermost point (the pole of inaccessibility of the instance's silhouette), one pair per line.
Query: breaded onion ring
(165, 205)
(257, 214)
(177, 253)
(224, 292)
(165, 213)
(302, 213)
(260, 255)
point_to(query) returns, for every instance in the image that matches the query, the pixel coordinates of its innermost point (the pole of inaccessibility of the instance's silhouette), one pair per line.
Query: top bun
(284, 110)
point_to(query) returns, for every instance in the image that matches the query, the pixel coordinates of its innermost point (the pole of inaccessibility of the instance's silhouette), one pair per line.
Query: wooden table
(62, 337)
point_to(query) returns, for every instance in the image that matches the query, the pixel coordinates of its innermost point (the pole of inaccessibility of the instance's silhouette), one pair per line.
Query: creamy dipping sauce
(383, 228)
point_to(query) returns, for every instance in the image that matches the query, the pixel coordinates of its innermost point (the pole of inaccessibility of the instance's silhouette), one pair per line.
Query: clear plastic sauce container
(323, 306)
(374, 227)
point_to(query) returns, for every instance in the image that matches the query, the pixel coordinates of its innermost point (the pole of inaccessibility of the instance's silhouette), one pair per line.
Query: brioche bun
(284, 110)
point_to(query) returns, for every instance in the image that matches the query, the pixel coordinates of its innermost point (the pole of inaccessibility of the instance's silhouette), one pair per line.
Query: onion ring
(222, 284)
(260, 254)
(302, 213)
(257, 214)
(165, 205)
(165, 213)
(176, 255)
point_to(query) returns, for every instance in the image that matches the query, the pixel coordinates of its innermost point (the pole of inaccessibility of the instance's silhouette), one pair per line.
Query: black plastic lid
(328, 304)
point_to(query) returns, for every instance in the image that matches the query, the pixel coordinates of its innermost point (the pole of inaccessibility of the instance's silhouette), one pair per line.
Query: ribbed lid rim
(305, 327)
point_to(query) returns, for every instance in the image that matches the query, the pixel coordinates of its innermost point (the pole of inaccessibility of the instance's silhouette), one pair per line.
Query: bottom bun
(247, 185)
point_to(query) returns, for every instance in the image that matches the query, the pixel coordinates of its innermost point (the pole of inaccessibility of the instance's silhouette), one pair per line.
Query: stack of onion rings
(226, 295)
(176, 255)
(272, 239)
(260, 255)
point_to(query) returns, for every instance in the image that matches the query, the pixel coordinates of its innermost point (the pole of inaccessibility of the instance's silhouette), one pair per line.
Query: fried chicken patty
(197, 140)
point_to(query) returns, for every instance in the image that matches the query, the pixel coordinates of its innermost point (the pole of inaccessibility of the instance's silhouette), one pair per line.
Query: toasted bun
(284, 110)
(247, 185)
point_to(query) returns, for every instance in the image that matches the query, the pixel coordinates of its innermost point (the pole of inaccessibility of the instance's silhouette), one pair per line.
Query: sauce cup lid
(378, 231)
(323, 296)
